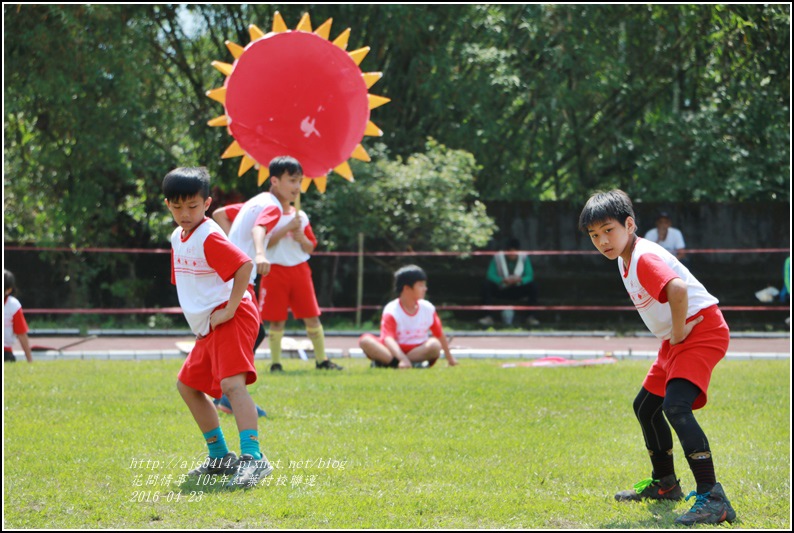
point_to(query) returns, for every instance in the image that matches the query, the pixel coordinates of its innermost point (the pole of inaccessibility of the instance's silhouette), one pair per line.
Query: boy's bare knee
(183, 389)
(233, 385)
(434, 346)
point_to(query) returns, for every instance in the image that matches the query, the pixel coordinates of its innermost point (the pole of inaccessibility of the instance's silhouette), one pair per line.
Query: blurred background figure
(510, 277)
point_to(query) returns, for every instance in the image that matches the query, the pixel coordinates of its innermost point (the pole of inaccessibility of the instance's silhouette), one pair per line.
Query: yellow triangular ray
(370, 78)
(345, 171)
(255, 32)
(320, 183)
(233, 150)
(223, 68)
(359, 55)
(324, 30)
(305, 24)
(222, 120)
(305, 184)
(278, 23)
(377, 101)
(235, 49)
(360, 154)
(245, 164)
(372, 130)
(219, 94)
(264, 173)
(341, 41)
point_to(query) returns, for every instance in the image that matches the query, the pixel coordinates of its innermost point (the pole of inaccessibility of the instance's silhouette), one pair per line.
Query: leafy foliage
(669, 102)
(427, 202)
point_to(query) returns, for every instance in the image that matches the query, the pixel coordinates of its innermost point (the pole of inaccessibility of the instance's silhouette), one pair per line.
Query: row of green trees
(489, 102)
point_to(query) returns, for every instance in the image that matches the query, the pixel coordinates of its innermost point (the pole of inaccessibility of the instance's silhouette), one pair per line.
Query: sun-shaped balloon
(297, 93)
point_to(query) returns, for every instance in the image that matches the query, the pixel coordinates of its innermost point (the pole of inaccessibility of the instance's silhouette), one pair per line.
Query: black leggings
(677, 407)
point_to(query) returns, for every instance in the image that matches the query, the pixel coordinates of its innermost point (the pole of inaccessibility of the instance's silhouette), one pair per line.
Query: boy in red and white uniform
(287, 281)
(681, 313)
(211, 277)
(289, 286)
(14, 324)
(404, 339)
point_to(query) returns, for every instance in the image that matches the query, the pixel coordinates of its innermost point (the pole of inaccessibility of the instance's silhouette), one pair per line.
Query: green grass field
(475, 446)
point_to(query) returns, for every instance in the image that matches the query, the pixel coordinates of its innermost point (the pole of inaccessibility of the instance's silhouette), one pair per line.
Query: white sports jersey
(287, 251)
(651, 268)
(10, 309)
(202, 268)
(409, 329)
(264, 209)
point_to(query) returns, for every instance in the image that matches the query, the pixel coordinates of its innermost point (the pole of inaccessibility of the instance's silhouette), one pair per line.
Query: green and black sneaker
(710, 507)
(667, 488)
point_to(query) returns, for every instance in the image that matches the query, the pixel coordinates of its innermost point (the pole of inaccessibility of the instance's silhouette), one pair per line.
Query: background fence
(734, 250)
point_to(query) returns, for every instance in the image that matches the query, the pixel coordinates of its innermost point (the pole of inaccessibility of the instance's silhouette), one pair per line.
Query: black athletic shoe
(667, 488)
(220, 465)
(327, 365)
(249, 472)
(276, 367)
(394, 363)
(710, 507)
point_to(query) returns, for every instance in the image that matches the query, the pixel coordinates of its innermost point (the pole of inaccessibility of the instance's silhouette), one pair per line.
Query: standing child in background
(211, 277)
(684, 316)
(14, 324)
(289, 284)
(225, 216)
(253, 229)
(404, 341)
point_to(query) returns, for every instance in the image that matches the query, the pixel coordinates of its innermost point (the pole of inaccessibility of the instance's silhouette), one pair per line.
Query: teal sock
(249, 443)
(216, 443)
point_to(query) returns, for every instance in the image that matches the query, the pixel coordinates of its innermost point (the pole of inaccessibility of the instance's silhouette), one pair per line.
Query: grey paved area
(515, 346)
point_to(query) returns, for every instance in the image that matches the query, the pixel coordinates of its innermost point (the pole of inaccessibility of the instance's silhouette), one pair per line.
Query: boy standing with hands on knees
(684, 316)
(211, 277)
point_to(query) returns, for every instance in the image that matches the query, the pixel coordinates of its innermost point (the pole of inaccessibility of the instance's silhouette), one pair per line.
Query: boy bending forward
(685, 317)
(211, 278)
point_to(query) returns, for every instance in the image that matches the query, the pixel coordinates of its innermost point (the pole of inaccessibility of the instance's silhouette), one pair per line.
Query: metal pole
(360, 287)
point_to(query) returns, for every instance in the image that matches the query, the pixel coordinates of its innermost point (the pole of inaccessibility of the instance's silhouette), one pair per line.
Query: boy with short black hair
(404, 341)
(211, 278)
(269, 222)
(676, 308)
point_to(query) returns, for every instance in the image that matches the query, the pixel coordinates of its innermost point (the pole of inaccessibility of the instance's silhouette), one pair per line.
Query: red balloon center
(297, 94)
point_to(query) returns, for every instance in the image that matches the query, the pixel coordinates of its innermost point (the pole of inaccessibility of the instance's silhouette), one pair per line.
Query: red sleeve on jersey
(654, 275)
(20, 325)
(223, 256)
(310, 234)
(388, 327)
(436, 329)
(268, 218)
(232, 211)
(173, 275)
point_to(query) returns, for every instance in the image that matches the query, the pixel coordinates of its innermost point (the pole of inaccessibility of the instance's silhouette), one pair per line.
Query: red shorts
(288, 287)
(226, 351)
(404, 347)
(694, 359)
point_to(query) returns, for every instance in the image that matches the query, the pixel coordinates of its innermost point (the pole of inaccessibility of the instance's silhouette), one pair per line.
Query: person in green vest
(511, 278)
